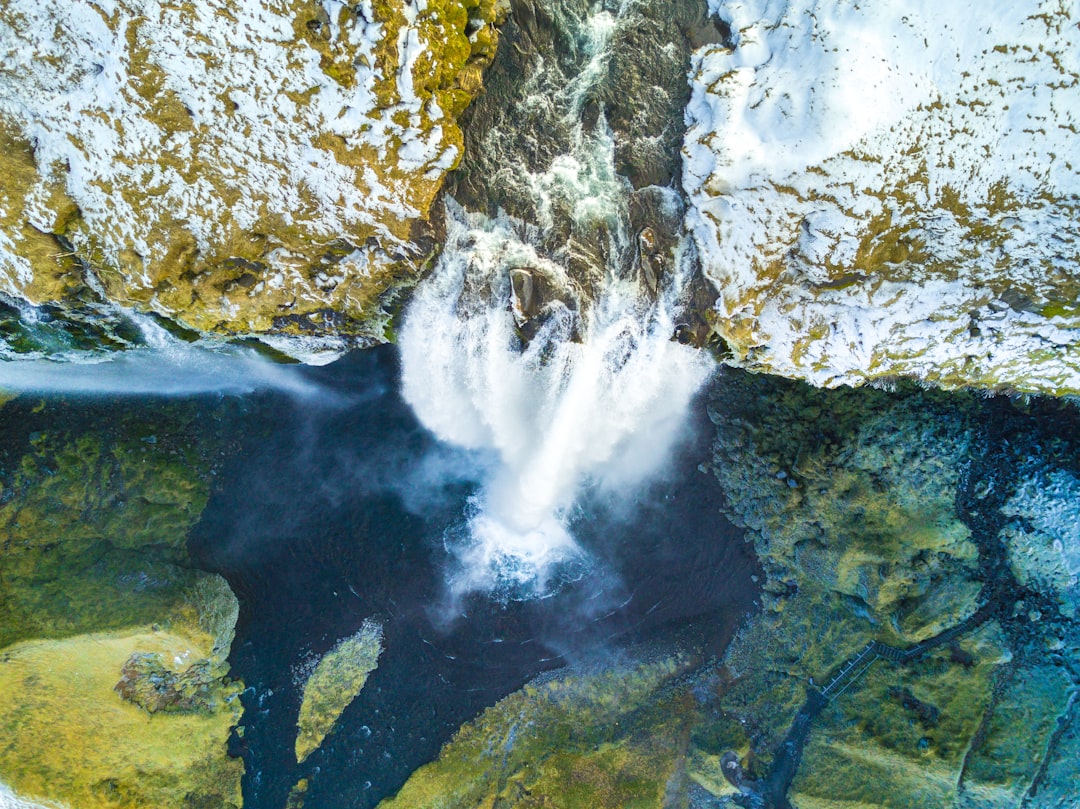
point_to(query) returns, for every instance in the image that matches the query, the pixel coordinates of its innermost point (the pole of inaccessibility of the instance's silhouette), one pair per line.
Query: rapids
(549, 342)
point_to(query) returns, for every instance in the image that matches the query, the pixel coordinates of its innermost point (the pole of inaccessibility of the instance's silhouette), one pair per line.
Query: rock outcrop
(891, 189)
(238, 169)
(936, 524)
(332, 682)
(114, 687)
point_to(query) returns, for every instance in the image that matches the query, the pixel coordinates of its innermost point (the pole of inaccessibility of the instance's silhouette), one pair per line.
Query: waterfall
(159, 365)
(555, 355)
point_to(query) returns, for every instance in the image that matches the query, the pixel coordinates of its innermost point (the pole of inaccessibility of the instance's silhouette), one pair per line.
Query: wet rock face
(241, 169)
(891, 189)
(579, 99)
(940, 525)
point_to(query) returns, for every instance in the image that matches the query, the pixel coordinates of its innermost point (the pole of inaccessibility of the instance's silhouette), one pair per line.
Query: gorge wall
(235, 169)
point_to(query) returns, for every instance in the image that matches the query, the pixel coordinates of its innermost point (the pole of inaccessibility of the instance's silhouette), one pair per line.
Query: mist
(152, 372)
(594, 401)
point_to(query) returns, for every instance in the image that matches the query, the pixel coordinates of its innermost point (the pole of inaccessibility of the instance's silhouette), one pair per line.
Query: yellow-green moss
(67, 736)
(334, 682)
(96, 588)
(900, 735)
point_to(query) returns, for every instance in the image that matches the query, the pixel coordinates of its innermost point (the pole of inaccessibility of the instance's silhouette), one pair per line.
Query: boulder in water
(525, 300)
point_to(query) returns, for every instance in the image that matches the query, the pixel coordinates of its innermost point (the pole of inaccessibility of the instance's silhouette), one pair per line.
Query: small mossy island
(114, 690)
(333, 681)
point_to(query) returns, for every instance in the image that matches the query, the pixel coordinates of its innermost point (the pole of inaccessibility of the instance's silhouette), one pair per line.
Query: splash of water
(558, 412)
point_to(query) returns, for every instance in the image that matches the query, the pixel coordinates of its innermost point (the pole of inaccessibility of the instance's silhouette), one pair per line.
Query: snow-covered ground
(186, 134)
(891, 188)
(257, 105)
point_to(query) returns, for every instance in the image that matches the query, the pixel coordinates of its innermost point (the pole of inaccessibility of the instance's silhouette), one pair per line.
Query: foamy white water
(558, 412)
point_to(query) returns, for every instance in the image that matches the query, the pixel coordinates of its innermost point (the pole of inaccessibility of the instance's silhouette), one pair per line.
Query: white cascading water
(162, 366)
(596, 397)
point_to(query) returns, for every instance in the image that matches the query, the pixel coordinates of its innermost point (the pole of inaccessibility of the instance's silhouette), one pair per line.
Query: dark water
(329, 515)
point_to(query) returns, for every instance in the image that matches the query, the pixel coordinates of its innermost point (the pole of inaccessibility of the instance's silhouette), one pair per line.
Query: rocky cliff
(891, 189)
(917, 643)
(238, 169)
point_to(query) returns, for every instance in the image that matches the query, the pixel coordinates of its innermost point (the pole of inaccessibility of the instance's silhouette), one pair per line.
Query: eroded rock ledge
(255, 169)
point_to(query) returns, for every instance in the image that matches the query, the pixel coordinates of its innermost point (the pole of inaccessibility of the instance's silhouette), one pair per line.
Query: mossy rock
(68, 736)
(333, 682)
(893, 516)
(93, 535)
(853, 493)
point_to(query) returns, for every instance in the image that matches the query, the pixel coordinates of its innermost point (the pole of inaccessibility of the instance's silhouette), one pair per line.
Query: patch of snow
(952, 125)
(250, 105)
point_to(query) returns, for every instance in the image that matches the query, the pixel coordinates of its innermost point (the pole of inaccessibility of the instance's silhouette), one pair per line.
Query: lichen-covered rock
(333, 681)
(114, 687)
(156, 684)
(883, 189)
(899, 518)
(239, 168)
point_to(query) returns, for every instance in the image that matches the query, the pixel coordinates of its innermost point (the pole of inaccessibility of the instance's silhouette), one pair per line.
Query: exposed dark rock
(146, 681)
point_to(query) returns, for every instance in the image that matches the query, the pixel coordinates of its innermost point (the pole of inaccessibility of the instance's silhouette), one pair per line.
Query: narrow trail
(874, 650)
